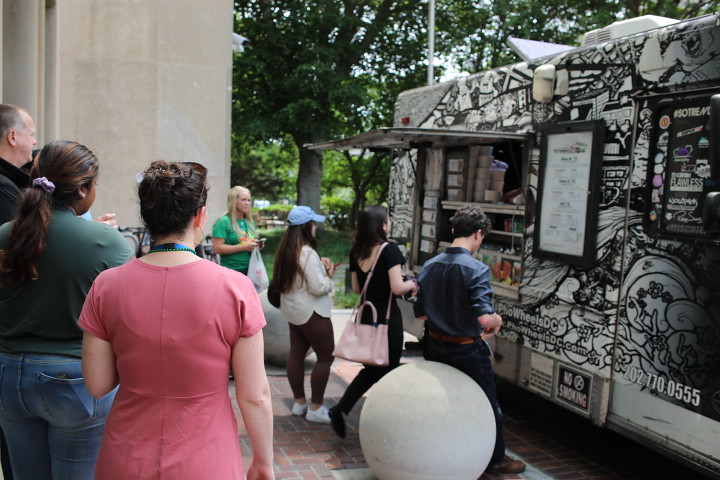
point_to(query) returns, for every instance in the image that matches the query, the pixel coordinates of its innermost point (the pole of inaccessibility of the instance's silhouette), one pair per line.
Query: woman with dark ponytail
(49, 257)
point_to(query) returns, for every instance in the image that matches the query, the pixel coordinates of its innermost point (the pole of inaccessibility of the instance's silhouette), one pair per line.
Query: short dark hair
(171, 193)
(469, 219)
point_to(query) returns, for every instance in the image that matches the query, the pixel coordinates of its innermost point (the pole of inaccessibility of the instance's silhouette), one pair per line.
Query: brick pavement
(556, 443)
(309, 451)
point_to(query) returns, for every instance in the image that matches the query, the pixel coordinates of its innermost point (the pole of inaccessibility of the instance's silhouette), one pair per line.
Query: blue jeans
(53, 426)
(473, 359)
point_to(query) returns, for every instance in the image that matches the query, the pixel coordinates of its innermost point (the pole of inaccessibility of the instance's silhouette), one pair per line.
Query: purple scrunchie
(45, 184)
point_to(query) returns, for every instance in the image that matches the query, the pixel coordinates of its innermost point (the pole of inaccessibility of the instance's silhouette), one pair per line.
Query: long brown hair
(69, 166)
(287, 257)
(369, 231)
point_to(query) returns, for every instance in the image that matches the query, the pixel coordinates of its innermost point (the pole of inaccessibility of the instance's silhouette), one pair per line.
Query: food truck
(599, 167)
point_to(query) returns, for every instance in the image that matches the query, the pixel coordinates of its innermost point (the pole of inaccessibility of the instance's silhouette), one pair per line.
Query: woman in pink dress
(165, 327)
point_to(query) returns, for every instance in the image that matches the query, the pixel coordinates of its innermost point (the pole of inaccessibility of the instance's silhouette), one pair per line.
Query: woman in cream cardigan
(305, 283)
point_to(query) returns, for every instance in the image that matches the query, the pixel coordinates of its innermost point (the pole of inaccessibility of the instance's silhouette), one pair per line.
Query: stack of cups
(472, 169)
(482, 175)
(497, 181)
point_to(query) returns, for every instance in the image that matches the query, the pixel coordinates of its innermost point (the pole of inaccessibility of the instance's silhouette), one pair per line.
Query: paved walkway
(306, 450)
(555, 443)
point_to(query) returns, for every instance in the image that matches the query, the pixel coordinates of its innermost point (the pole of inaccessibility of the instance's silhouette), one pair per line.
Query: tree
(267, 169)
(307, 71)
(472, 34)
(366, 174)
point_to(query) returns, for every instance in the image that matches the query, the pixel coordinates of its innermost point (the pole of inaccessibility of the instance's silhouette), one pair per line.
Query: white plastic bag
(257, 272)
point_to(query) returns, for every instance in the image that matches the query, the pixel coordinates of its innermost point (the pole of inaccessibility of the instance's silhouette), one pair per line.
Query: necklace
(171, 247)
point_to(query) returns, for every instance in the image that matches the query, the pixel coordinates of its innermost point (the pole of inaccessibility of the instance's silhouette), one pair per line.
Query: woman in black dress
(386, 283)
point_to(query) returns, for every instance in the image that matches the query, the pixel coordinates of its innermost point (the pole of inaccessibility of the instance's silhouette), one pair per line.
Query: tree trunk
(309, 178)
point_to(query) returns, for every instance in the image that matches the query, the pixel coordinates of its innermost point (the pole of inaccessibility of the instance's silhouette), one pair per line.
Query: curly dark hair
(171, 194)
(468, 219)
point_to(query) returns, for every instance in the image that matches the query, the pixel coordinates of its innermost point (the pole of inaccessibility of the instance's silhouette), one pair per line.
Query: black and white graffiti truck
(600, 168)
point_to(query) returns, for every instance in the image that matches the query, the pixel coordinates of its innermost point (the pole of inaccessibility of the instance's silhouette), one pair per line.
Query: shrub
(337, 211)
(277, 210)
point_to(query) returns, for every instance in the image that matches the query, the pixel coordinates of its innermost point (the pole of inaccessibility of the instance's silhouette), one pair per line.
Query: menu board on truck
(568, 188)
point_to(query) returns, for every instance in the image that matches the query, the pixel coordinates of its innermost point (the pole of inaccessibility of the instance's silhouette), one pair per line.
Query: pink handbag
(363, 343)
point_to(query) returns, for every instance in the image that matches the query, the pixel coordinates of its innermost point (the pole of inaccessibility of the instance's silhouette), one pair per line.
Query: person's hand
(329, 266)
(108, 218)
(260, 472)
(415, 286)
(491, 323)
(249, 246)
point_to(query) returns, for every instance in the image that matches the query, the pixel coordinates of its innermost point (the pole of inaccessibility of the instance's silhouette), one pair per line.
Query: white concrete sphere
(276, 334)
(427, 421)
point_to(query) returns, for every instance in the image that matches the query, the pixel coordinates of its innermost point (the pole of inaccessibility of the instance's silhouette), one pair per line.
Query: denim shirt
(454, 292)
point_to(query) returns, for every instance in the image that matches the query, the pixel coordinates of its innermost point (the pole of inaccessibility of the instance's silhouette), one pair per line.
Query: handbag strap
(361, 298)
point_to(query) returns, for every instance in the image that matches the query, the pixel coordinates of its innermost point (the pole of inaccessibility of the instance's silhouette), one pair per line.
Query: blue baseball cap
(301, 214)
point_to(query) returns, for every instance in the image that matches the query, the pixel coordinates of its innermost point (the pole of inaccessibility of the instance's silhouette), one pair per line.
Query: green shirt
(41, 316)
(223, 229)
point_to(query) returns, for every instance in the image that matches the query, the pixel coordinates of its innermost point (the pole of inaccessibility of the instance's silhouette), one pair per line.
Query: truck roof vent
(624, 28)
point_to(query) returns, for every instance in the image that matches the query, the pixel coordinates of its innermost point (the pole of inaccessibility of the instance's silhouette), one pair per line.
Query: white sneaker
(318, 416)
(298, 409)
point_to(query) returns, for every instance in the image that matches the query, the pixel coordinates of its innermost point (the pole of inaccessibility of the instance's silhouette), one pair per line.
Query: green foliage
(316, 69)
(268, 169)
(366, 175)
(337, 212)
(332, 244)
(278, 210)
(308, 67)
(272, 241)
(344, 299)
(472, 34)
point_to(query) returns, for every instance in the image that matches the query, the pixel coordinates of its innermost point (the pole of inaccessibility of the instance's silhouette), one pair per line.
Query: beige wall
(134, 80)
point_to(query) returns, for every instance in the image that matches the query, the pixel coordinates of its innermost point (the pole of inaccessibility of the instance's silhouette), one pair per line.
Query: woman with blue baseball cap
(304, 281)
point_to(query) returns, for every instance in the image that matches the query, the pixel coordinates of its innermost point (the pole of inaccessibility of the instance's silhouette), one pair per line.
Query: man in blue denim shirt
(456, 300)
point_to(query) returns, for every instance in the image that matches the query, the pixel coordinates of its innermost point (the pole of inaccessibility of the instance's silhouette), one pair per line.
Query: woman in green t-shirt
(235, 234)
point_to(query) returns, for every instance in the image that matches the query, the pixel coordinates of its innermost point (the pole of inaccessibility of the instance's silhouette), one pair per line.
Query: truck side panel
(633, 340)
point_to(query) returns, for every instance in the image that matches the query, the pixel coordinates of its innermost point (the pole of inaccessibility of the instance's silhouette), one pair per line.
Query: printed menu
(565, 192)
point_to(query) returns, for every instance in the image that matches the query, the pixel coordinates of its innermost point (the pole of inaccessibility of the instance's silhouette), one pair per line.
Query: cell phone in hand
(335, 265)
(262, 240)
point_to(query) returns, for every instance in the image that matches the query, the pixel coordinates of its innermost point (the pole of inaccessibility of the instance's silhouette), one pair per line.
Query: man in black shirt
(17, 140)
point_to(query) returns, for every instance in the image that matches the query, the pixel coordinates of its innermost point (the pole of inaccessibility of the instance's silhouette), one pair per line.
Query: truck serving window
(678, 167)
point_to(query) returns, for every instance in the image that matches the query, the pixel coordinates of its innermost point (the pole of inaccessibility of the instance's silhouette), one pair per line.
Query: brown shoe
(507, 465)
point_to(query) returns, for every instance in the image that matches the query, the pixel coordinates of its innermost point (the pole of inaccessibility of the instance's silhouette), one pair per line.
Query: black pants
(370, 374)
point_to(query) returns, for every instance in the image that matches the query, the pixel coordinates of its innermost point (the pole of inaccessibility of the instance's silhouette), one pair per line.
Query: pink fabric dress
(172, 330)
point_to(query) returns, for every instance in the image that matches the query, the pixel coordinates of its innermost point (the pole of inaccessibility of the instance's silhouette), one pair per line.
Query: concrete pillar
(51, 106)
(147, 79)
(22, 55)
